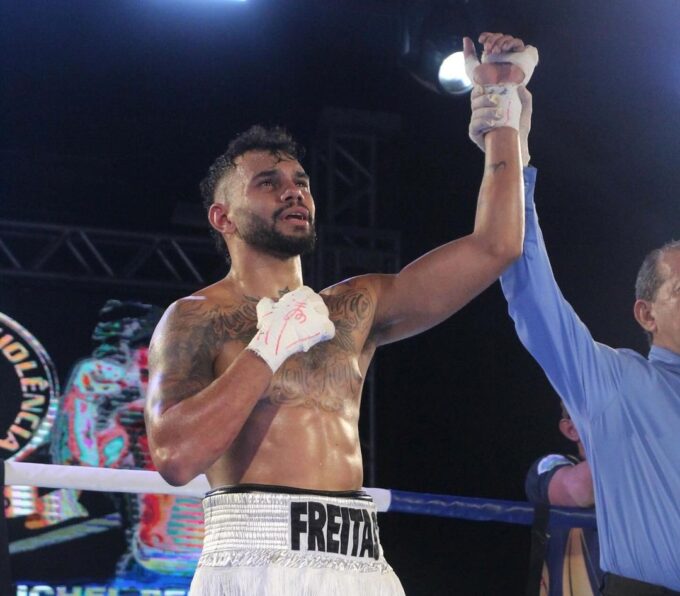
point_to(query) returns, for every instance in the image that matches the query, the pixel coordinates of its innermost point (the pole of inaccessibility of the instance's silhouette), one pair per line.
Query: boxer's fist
(293, 324)
(497, 99)
(495, 69)
(510, 60)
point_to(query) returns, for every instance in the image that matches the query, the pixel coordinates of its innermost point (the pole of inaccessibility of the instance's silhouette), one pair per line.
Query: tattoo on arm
(499, 166)
(183, 359)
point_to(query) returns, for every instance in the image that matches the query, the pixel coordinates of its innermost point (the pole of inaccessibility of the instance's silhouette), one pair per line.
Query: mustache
(279, 211)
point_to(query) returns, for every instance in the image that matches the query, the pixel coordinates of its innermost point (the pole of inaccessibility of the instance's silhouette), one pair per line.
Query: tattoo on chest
(351, 312)
(238, 324)
(328, 375)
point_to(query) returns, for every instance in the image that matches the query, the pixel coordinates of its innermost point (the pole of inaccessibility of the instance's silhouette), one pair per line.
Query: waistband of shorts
(254, 527)
(287, 490)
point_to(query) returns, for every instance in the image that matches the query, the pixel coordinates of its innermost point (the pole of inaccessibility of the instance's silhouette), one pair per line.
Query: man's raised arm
(441, 282)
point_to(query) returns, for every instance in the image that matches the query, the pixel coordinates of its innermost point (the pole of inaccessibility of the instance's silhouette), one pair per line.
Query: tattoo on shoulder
(351, 310)
(497, 167)
(192, 338)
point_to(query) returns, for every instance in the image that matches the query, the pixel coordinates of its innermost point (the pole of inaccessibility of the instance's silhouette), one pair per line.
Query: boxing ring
(100, 488)
(386, 500)
(107, 480)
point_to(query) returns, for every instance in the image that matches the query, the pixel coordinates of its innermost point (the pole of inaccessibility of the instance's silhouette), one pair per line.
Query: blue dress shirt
(625, 407)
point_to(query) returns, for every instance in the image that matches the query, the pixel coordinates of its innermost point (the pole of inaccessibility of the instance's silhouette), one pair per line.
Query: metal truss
(345, 172)
(345, 164)
(345, 251)
(102, 256)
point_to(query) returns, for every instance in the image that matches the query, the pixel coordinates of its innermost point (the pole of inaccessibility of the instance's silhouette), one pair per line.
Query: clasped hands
(500, 97)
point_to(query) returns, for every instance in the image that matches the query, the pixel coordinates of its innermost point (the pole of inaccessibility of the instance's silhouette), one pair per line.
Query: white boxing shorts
(279, 541)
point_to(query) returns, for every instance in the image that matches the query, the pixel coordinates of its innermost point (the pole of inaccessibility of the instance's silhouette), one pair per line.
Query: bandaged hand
(493, 106)
(525, 122)
(485, 116)
(295, 323)
(499, 97)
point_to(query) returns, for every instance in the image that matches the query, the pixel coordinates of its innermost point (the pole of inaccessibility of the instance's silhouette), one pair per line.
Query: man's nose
(291, 193)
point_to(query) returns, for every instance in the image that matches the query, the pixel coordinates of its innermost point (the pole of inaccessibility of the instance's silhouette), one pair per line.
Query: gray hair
(649, 279)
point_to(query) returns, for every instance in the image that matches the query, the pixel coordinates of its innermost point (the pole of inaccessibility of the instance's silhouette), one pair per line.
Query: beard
(264, 236)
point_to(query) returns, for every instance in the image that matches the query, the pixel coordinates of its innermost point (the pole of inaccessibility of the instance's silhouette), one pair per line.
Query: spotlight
(452, 76)
(432, 49)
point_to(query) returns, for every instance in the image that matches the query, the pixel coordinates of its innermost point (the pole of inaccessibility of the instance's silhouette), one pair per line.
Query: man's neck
(263, 275)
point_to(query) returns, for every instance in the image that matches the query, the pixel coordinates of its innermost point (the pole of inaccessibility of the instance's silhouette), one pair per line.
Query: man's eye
(266, 183)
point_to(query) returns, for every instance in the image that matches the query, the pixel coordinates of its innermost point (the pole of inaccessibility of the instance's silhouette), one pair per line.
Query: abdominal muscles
(303, 433)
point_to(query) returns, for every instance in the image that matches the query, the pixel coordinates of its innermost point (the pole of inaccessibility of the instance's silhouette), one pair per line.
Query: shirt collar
(658, 354)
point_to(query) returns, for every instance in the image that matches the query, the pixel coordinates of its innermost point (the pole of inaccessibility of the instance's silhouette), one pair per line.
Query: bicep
(181, 358)
(559, 492)
(434, 287)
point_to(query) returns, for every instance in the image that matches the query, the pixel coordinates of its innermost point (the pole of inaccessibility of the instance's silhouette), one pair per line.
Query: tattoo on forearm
(497, 167)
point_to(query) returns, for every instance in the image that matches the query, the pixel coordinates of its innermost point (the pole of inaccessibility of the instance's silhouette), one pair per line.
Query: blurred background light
(452, 76)
(432, 45)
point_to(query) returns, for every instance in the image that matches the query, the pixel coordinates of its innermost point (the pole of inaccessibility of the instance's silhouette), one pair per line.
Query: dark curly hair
(276, 140)
(649, 279)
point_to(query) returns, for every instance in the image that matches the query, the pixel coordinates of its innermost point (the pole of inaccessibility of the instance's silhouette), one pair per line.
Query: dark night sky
(112, 111)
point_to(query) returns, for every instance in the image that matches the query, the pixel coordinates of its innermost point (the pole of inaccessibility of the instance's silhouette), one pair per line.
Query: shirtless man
(256, 380)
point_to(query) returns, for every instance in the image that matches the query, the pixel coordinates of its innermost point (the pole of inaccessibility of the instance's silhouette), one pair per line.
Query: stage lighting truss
(102, 256)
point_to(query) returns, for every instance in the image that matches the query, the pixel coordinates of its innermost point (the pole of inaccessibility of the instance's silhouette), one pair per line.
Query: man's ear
(220, 218)
(642, 309)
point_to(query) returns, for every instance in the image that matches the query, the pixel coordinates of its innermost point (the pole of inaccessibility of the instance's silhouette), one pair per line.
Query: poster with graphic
(147, 544)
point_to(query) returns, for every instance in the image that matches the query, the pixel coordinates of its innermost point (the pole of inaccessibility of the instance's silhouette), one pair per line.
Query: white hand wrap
(503, 108)
(526, 60)
(294, 324)
(499, 105)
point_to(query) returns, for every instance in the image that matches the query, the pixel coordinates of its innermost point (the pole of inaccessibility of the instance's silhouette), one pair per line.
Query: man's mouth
(301, 215)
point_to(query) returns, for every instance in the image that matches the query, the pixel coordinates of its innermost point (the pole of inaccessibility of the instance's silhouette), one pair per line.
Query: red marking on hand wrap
(297, 312)
(297, 341)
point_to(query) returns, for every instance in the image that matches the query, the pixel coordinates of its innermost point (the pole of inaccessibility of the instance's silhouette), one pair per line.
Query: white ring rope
(122, 481)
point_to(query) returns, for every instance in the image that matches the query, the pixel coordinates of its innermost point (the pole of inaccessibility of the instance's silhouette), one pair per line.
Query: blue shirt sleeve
(584, 372)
